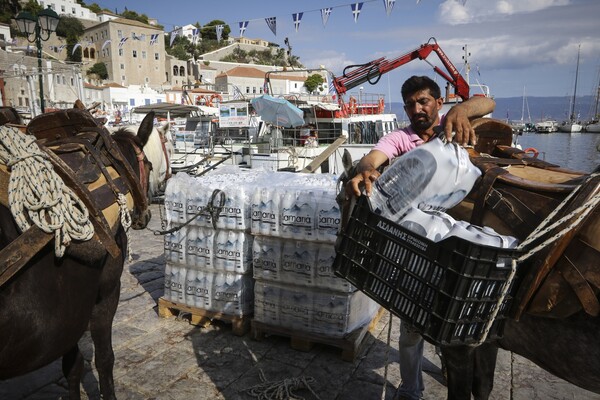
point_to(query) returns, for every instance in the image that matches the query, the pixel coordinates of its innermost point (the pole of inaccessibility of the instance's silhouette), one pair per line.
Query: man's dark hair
(417, 83)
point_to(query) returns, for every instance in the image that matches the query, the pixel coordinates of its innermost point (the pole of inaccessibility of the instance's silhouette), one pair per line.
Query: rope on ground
(387, 358)
(37, 192)
(281, 390)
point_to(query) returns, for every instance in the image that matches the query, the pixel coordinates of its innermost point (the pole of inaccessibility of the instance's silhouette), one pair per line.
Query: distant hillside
(539, 108)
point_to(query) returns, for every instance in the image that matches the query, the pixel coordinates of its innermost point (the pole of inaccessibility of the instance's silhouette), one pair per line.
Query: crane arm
(355, 75)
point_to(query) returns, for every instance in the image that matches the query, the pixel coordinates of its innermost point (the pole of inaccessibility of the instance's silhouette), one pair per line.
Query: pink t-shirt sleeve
(398, 142)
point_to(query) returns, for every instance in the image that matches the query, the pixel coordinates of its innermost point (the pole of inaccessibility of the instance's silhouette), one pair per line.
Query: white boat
(593, 128)
(570, 127)
(548, 126)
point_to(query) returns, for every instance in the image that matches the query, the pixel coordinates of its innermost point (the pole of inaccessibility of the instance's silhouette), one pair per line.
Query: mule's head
(159, 150)
(132, 147)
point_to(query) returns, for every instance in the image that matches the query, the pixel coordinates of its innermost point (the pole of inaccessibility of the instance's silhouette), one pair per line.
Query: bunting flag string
(75, 47)
(272, 24)
(153, 38)
(243, 26)
(325, 13)
(122, 42)
(389, 5)
(356, 7)
(297, 17)
(219, 29)
(106, 43)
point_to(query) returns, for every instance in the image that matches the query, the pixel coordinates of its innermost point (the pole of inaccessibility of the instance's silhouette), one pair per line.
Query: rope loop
(36, 194)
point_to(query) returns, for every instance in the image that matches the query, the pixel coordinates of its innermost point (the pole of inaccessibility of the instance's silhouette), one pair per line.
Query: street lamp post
(41, 29)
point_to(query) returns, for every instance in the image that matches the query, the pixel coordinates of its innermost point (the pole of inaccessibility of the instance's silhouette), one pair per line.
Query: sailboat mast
(575, 89)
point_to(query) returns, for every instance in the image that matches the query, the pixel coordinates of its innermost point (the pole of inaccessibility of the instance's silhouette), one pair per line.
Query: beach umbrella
(278, 111)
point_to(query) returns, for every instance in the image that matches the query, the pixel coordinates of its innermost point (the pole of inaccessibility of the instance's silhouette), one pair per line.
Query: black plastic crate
(447, 290)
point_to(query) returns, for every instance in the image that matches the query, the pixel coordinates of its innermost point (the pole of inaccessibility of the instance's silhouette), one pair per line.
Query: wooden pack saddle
(514, 195)
(85, 156)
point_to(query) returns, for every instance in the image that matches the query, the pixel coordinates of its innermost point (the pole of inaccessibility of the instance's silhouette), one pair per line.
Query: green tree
(180, 49)
(209, 32)
(33, 7)
(313, 82)
(98, 69)
(9, 9)
(95, 8)
(69, 27)
(134, 16)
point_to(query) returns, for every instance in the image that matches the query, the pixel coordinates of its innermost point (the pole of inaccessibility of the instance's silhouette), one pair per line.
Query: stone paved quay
(169, 359)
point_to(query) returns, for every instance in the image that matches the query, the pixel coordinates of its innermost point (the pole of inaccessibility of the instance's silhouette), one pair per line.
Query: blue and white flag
(356, 7)
(106, 43)
(388, 4)
(237, 93)
(330, 87)
(195, 35)
(272, 24)
(60, 48)
(140, 38)
(243, 26)
(266, 87)
(173, 36)
(325, 13)
(219, 29)
(154, 38)
(122, 41)
(297, 18)
(75, 47)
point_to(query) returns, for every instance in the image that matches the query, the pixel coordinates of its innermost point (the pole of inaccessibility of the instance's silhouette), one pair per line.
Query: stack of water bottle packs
(295, 220)
(209, 259)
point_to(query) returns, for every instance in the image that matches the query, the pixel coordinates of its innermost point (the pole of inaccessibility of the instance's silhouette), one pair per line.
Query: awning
(176, 110)
(325, 106)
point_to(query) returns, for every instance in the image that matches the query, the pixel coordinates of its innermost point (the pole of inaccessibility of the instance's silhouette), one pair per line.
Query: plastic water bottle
(298, 262)
(167, 284)
(178, 273)
(267, 303)
(204, 286)
(266, 256)
(205, 248)
(190, 287)
(432, 176)
(328, 216)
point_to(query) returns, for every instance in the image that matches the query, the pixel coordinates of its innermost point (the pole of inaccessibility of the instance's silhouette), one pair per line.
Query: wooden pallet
(351, 344)
(200, 317)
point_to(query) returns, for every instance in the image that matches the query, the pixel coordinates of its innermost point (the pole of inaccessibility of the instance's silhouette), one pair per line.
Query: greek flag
(154, 38)
(356, 7)
(243, 26)
(60, 48)
(106, 43)
(297, 17)
(330, 87)
(141, 37)
(325, 13)
(219, 29)
(75, 47)
(173, 36)
(388, 4)
(122, 41)
(237, 93)
(195, 35)
(272, 24)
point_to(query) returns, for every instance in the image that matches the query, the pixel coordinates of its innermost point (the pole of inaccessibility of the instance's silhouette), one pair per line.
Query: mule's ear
(79, 105)
(347, 160)
(146, 127)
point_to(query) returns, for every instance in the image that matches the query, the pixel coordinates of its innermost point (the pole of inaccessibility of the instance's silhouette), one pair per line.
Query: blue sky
(516, 45)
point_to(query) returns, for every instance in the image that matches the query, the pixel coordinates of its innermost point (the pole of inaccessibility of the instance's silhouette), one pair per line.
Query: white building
(69, 7)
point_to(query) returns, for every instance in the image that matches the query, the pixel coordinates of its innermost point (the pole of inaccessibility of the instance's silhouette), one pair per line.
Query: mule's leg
(460, 362)
(72, 366)
(485, 365)
(101, 327)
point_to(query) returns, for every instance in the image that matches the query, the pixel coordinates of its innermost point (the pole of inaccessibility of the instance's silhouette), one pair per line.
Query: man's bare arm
(458, 119)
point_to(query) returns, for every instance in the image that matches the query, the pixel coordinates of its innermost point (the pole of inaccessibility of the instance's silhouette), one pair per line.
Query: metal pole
(38, 42)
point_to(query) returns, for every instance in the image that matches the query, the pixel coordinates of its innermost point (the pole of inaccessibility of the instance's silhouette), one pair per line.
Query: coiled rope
(37, 192)
(281, 390)
(125, 222)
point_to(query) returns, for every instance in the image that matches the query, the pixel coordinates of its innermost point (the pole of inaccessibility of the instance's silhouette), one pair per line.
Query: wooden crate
(351, 344)
(166, 309)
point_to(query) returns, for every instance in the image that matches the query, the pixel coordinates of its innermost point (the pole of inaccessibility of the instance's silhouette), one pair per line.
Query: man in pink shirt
(422, 103)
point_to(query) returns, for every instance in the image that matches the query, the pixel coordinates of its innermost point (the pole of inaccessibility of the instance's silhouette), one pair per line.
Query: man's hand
(457, 122)
(362, 179)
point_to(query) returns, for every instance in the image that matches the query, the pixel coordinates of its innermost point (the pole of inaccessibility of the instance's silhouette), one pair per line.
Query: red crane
(372, 71)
